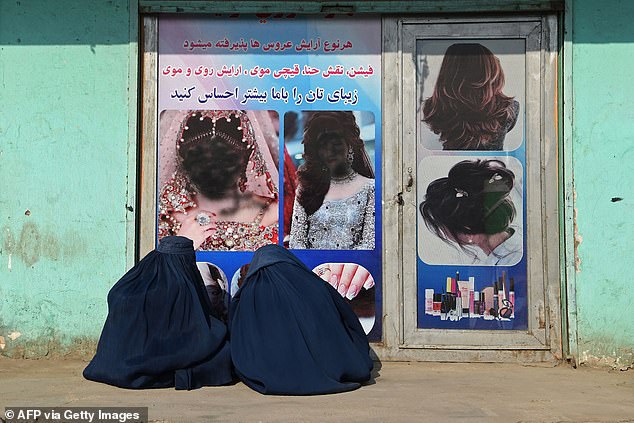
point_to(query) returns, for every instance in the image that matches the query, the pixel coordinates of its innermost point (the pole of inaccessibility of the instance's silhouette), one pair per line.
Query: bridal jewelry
(203, 219)
(339, 180)
(350, 155)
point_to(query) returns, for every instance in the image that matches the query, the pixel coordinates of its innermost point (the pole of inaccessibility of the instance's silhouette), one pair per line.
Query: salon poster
(471, 193)
(270, 133)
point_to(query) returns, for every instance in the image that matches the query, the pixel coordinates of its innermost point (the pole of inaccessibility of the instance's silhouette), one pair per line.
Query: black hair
(313, 175)
(472, 199)
(212, 163)
(291, 125)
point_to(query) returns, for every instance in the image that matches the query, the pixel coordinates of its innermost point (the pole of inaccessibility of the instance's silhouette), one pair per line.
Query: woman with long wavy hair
(468, 109)
(334, 205)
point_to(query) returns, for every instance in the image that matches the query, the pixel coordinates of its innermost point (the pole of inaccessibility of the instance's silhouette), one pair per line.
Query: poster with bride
(270, 133)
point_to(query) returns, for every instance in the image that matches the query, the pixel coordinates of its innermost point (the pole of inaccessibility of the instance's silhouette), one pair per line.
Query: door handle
(410, 179)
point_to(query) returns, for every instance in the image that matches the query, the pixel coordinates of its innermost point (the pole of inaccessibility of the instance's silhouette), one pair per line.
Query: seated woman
(468, 108)
(160, 330)
(471, 208)
(334, 205)
(292, 333)
(222, 194)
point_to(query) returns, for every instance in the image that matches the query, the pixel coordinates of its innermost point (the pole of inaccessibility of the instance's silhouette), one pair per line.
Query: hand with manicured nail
(196, 225)
(346, 278)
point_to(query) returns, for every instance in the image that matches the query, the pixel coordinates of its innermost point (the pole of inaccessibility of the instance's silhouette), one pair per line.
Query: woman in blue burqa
(161, 330)
(291, 333)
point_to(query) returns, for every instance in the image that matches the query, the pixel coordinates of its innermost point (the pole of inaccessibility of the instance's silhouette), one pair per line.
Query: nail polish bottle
(437, 302)
(444, 306)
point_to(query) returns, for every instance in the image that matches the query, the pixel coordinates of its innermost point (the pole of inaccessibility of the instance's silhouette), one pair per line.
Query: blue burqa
(292, 333)
(160, 331)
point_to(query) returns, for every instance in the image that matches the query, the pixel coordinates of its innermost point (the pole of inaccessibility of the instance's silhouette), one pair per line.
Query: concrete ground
(401, 392)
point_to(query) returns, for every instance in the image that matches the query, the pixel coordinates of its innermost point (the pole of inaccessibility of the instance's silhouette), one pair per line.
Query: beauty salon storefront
(443, 232)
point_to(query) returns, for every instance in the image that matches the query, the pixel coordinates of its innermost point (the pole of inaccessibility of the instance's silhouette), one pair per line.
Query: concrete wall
(67, 171)
(603, 165)
(65, 159)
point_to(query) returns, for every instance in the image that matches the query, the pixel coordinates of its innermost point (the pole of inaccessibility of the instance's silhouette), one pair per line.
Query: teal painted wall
(67, 172)
(65, 155)
(603, 162)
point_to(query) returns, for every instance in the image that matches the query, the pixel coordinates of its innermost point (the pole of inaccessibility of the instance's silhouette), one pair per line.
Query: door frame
(399, 208)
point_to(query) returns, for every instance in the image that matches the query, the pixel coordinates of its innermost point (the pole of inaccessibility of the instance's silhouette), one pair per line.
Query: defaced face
(333, 152)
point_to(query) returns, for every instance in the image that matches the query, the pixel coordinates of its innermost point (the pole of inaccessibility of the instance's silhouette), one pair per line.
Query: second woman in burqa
(291, 333)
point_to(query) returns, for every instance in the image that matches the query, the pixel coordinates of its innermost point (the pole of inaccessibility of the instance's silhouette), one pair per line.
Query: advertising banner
(471, 191)
(270, 133)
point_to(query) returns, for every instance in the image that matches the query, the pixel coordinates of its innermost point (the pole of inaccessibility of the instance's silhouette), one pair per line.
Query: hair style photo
(313, 175)
(468, 109)
(472, 199)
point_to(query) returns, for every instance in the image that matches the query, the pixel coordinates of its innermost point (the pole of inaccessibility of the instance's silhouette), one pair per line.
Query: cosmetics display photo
(471, 299)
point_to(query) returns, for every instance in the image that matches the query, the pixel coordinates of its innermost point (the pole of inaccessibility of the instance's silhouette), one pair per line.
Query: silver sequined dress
(346, 224)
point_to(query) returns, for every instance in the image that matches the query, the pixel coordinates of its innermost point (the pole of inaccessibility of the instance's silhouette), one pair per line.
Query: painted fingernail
(369, 283)
(333, 281)
(342, 290)
(352, 292)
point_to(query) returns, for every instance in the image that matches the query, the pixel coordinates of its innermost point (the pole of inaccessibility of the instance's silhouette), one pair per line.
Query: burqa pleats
(292, 333)
(159, 331)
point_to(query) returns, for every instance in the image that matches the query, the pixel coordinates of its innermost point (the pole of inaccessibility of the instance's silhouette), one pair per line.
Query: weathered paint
(364, 6)
(65, 74)
(603, 167)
